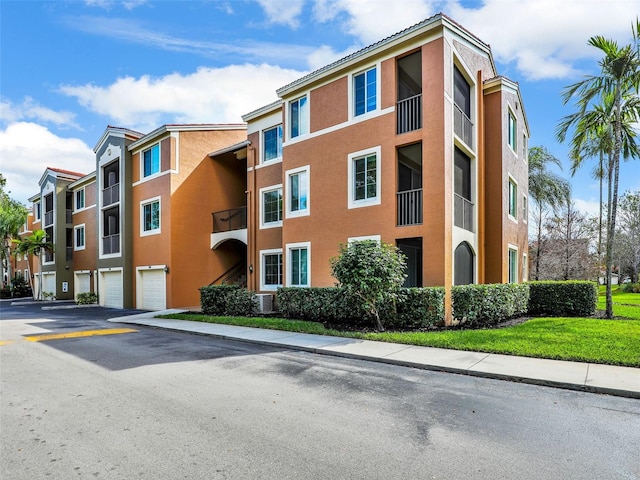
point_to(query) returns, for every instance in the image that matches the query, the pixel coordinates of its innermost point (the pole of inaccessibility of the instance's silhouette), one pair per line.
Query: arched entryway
(463, 265)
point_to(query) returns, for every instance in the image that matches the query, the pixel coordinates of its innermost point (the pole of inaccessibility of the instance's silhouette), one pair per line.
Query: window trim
(351, 159)
(304, 117)
(263, 149)
(144, 203)
(352, 96)
(512, 181)
(263, 254)
(75, 199)
(525, 208)
(286, 191)
(37, 214)
(262, 191)
(296, 246)
(512, 248)
(77, 247)
(152, 174)
(525, 267)
(512, 142)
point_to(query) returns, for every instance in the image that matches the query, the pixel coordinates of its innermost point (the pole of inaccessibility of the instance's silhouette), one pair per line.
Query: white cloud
(591, 207)
(283, 13)
(545, 38)
(27, 149)
(29, 109)
(209, 95)
(371, 20)
(325, 55)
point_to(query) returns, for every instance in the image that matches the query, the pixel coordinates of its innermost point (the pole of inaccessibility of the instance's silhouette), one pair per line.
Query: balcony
(48, 218)
(462, 213)
(462, 126)
(111, 244)
(111, 194)
(229, 225)
(69, 254)
(69, 213)
(409, 114)
(409, 207)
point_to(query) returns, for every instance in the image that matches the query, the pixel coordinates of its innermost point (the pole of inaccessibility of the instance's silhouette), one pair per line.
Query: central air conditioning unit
(265, 302)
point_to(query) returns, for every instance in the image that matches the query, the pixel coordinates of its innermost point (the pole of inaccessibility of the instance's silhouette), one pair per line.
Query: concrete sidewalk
(589, 377)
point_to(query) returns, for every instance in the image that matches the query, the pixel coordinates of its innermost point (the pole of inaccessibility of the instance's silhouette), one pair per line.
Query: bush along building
(415, 141)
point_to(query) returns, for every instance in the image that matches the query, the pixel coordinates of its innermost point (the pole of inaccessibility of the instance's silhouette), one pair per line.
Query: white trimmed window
(79, 237)
(375, 238)
(525, 147)
(365, 92)
(525, 267)
(513, 132)
(513, 264)
(271, 206)
(150, 217)
(525, 211)
(37, 208)
(364, 178)
(299, 264)
(297, 192)
(272, 144)
(298, 117)
(513, 199)
(79, 204)
(151, 161)
(271, 269)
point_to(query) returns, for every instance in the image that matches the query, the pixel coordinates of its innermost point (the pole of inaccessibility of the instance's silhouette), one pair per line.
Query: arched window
(463, 266)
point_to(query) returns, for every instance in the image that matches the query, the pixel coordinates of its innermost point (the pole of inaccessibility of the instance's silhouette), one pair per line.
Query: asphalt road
(154, 404)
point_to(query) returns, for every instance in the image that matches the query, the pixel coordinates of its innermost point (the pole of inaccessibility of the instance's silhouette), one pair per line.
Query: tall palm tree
(546, 189)
(616, 90)
(36, 244)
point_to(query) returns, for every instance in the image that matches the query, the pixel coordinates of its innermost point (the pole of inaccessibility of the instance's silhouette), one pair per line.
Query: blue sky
(70, 68)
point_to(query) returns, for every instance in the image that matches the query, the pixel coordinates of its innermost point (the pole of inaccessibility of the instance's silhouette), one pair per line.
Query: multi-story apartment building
(415, 141)
(53, 213)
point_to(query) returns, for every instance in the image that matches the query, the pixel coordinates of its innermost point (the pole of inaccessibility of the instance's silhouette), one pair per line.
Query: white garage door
(49, 283)
(83, 283)
(153, 290)
(111, 289)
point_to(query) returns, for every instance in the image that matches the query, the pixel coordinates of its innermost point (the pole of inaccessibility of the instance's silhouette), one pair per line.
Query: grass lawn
(594, 340)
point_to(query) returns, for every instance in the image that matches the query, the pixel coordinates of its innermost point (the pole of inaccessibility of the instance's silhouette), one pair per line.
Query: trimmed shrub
(419, 308)
(563, 299)
(413, 308)
(86, 298)
(230, 300)
(631, 288)
(480, 305)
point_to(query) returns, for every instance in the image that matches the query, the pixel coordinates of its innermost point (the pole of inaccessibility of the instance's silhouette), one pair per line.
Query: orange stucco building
(414, 141)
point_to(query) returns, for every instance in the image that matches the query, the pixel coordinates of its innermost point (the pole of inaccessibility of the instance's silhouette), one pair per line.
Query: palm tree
(36, 244)
(12, 216)
(546, 189)
(615, 90)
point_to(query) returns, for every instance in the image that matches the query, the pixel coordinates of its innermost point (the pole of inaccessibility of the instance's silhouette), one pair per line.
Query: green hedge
(228, 300)
(414, 308)
(631, 288)
(563, 299)
(479, 305)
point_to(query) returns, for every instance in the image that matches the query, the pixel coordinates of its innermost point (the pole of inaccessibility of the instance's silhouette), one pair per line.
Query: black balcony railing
(48, 256)
(410, 207)
(111, 244)
(409, 114)
(462, 126)
(111, 194)
(69, 215)
(69, 254)
(48, 218)
(228, 220)
(462, 213)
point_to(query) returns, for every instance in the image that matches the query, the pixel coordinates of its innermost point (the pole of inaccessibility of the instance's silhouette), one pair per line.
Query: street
(155, 404)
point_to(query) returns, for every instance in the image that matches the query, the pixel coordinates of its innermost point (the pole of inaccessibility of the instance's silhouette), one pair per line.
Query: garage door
(49, 283)
(111, 289)
(153, 290)
(83, 283)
